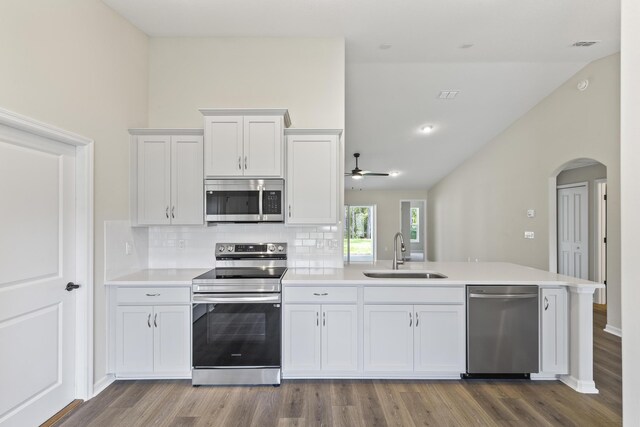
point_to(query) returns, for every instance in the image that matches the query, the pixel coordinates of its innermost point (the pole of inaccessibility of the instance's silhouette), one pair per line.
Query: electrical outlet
(531, 213)
(529, 235)
(127, 248)
(181, 244)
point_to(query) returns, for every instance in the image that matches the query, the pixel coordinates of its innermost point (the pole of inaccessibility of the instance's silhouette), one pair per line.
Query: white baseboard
(102, 383)
(613, 330)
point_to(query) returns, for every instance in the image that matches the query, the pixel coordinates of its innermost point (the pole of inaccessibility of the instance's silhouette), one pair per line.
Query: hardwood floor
(367, 403)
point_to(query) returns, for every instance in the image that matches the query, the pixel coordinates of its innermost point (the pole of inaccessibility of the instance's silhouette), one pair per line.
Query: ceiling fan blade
(374, 174)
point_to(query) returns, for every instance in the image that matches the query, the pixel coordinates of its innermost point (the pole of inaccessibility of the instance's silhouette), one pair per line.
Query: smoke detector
(584, 43)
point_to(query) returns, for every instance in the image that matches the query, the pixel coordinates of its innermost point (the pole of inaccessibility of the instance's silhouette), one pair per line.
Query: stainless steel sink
(404, 275)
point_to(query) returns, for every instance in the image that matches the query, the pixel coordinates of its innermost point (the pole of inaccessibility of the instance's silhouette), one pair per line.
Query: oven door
(248, 200)
(236, 330)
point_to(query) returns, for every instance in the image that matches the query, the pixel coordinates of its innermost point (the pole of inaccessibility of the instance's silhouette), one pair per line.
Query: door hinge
(605, 197)
(605, 282)
(605, 240)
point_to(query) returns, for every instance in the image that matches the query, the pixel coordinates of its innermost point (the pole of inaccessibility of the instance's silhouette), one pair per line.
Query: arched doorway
(578, 218)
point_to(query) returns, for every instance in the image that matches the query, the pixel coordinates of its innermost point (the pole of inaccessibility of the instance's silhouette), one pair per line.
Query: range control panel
(251, 248)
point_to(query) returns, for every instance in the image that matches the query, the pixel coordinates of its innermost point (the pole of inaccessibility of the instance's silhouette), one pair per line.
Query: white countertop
(458, 273)
(159, 277)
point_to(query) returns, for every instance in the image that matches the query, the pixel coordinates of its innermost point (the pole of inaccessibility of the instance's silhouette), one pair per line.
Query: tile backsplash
(194, 247)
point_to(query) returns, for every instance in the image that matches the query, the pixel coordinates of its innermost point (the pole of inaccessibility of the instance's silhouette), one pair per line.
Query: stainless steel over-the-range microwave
(244, 200)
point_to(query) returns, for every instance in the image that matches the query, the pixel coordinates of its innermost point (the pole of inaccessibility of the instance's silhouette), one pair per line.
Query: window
(359, 233)
(415, 225)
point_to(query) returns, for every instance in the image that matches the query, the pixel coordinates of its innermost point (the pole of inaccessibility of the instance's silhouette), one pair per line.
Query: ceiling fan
(358, 173)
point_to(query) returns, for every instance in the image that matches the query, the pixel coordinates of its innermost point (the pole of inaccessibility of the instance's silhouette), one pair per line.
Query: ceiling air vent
(448, 94)
(584, 43)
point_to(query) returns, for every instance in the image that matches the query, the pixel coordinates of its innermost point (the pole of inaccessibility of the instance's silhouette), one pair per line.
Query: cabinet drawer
(321, 294)
(154, 295)
(413, 295)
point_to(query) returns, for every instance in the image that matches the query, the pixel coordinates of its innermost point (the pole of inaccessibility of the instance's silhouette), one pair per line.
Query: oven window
(237, 327)
(236, 334)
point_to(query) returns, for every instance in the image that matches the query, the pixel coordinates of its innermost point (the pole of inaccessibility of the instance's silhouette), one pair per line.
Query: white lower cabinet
(388, 338)
(414, 338)
(153, 341)
(554, 323)
(320, 338)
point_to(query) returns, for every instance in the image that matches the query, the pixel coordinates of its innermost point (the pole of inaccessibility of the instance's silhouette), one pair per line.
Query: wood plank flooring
(366, 402)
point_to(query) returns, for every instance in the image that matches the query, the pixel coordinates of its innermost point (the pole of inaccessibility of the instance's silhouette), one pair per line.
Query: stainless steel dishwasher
(502, 331)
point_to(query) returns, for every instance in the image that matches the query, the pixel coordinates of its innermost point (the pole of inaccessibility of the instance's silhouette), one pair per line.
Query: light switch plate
(529, 235)
(531, 213)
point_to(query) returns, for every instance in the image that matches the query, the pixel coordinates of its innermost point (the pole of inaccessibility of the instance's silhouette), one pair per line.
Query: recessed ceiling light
(394, 173)
(426, 129)
(384, 46)
(466, 45)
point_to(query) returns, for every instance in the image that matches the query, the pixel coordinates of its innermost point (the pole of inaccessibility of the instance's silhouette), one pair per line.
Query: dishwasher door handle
(503, 296)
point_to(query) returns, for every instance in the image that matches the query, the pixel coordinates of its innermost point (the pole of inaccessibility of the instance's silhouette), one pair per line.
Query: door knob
(71, 286)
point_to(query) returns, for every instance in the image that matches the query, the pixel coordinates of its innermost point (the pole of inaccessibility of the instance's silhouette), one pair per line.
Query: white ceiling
(521, 52)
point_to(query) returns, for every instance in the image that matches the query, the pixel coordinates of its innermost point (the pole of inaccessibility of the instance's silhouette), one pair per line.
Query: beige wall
(479, 210)
(630, 177)
(304, 75)
(78, 65)
(388, 213)
(588, 174)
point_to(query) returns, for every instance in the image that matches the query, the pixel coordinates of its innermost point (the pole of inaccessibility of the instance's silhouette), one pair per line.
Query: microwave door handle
(260, 199)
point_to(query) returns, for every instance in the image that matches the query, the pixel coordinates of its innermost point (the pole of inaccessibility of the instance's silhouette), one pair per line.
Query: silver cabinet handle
(153, 295)
(324, 318)
(239, 162)
(155, 320)
(149, 320)
(245, 162)
(317, 319)
(323, 294)
(166, 212)
(173, 209)
(289, 211)
(417, 319)
(546, 303)
(410, 319)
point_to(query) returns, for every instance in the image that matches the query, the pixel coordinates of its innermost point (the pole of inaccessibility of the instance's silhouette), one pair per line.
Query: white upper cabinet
(243, 142)
(313, 176)
(167, 176)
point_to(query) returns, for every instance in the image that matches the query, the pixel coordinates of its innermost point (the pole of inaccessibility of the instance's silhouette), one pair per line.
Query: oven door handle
(236, 298)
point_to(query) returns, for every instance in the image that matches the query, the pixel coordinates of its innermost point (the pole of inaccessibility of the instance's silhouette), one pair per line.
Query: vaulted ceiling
(401, 54)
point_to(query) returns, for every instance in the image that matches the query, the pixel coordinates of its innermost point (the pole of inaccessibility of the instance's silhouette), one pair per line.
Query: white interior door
(573, 231)
(37, 260)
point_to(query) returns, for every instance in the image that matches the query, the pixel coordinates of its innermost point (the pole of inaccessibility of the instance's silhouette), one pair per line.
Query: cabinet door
(339, 337)
(301, 337)
(439, 338)
(262, 146)
(312, 180)
(134, 340)
(388, 338)
(553, 329)
(172, 339)
(154, 179)
(187, 180)
(223, 146)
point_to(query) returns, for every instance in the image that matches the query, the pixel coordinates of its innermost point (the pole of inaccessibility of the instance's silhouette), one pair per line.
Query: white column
(580, 375)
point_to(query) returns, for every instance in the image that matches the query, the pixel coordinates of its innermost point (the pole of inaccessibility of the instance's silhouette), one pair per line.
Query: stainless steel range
(237, 316)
